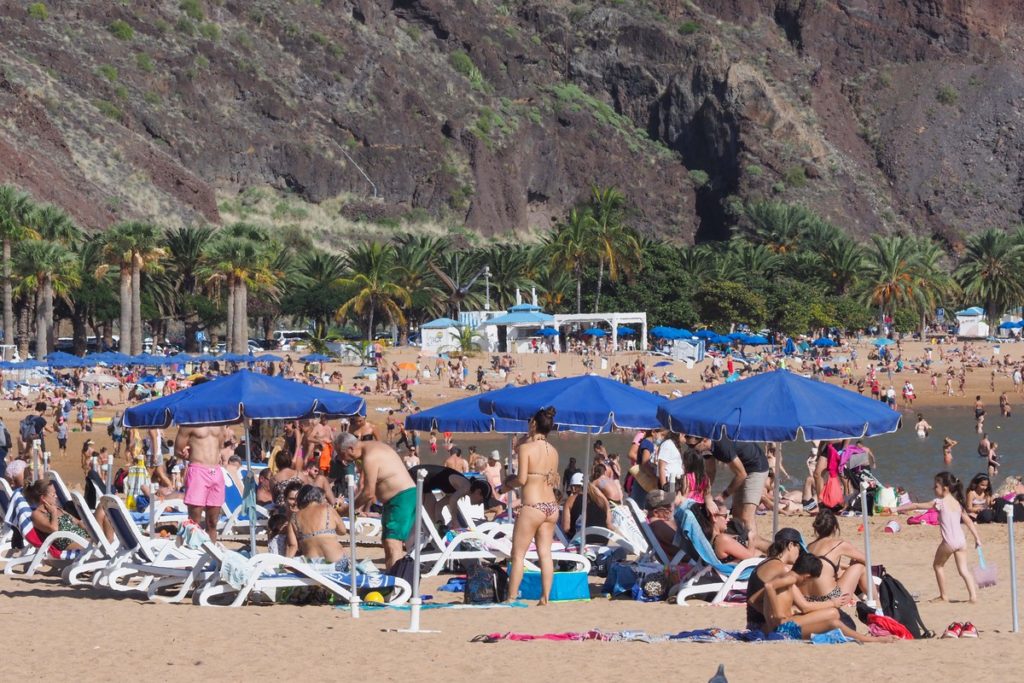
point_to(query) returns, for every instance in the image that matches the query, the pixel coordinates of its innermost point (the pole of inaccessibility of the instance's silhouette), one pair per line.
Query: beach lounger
(712, 577)
(18, 520)
(234, 523)
(98, 553)
(652, 550)
(142, 564)
(440, 551)
(266, 573)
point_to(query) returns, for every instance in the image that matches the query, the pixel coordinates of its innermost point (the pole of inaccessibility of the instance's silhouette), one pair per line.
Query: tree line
(785, 268)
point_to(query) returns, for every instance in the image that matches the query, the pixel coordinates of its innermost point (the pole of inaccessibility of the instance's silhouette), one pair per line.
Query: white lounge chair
(18, 518)
(266, 573)
(712, 576)
(97, 554)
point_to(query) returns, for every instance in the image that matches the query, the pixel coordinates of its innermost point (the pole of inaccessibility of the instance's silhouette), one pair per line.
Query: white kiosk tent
(440, 335)
(612, 319)
(971, 323)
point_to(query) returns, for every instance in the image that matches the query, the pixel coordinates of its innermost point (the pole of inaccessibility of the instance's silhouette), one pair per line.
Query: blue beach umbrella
(824, 342)
(662, 363)
(465, 415)
(663, 332)
(883, 342)
(705, 334)
(778, 406)
(595, 332)
(548, 332)
(315, 358)
(625, 331)
(269, 358)
(755, 340)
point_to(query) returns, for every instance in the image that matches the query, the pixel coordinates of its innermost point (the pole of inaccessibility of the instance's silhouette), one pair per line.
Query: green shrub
(151, 97)
(202, 62)
(37, 10)
(144, 62)
(192, 9)
(318, 38)
(121, 30)
(109, 109)
(185, 27)
(121, 92)
(795, 176)
(210, 31)
(947, 95)
(462, 63)
(700, 178)
(688, 28)
(754, 171)
(779, 188)
(108, 72)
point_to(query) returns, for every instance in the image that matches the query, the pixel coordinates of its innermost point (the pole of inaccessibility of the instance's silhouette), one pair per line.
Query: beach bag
(621, 579)
(485, 584)
(404, 569)
(885, 499)
(642, 476)
(27, 429)
(832, 495)
(897, 602)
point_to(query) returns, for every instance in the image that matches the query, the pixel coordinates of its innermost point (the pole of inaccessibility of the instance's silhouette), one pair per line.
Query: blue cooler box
(566, 586)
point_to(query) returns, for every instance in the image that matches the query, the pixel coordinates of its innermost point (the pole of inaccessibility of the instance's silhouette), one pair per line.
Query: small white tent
(439, 336)
(971, 323)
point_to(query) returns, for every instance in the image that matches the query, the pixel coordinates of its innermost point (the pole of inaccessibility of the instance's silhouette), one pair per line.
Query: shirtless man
(609, 485)
(456, 461)
(204, 481)
(312, 433)
(385, 478)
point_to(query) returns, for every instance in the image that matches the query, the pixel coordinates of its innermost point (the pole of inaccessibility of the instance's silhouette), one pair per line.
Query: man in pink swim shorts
(204, 480)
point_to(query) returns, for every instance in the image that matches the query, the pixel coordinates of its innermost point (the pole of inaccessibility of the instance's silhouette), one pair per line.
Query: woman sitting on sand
(776, 606)
(978, 495)
(316, 527)
(835, 580)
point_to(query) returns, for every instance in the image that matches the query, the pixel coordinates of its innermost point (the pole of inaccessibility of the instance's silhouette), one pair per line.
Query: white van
(290, 340)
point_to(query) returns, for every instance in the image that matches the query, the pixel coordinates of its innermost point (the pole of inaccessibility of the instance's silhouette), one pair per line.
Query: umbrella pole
(110, 473)
(251, 513)
(775, 494)
(1013, 570)
(867, 543)
(415, 601)
(508, 471)
(586, 492)
(350, 481)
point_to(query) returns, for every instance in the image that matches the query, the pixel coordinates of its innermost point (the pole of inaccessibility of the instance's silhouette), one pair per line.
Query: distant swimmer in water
(922, 427)
(947, 450)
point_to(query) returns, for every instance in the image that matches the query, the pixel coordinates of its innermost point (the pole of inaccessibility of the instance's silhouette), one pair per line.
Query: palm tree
(466, 342)
(991, 271)
(777, 224)
(118, 246)
(315, 274)
(553, 286)
(746, 260)
(614, 241)
(186, 247)
(15, 208)
(374, 286)
(510, 268)
(52, 223)
(414, 254)
(841, 263)
(240, 257)
(48, 269)
(570, 246)
(891, 274)
(935, 285)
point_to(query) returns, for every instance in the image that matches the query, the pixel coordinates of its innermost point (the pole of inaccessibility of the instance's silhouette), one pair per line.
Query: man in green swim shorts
(384, 478)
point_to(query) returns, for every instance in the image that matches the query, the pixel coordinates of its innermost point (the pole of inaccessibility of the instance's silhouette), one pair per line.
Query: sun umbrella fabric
(778, 406)
(464, 415)
(582, 404)
(595, 332)
(823, 342)
(315, 358)
(548, 332)
(228, 399)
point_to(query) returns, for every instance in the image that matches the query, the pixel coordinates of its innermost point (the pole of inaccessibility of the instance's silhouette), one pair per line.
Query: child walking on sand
(950, 506)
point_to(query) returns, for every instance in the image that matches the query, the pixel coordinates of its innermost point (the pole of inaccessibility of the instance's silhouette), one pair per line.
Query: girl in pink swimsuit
(949, 503)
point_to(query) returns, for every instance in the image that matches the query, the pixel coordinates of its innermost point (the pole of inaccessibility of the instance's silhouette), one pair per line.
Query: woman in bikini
(538, 476)
(835, 580)
(316, 527)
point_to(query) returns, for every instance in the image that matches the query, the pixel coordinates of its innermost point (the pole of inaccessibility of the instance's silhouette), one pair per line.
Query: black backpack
(485, 584)
(896, 602)
(404, 568)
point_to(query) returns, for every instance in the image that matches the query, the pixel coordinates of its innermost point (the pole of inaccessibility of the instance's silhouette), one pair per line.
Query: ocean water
(902, 458)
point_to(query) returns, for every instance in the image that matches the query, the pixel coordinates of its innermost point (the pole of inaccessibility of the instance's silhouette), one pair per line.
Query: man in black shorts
(452, 485)
(749, 466)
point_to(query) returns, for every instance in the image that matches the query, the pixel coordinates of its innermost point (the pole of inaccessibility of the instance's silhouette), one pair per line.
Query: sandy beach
(95, 635)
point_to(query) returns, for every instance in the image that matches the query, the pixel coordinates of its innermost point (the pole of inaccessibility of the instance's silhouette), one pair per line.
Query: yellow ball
(375, 597)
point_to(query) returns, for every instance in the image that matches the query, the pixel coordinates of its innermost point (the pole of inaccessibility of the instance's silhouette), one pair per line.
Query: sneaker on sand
(953, 630)
(969, 631)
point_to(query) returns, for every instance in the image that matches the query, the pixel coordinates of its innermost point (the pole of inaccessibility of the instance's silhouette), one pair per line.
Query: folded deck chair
(265, 573)
(712, 575)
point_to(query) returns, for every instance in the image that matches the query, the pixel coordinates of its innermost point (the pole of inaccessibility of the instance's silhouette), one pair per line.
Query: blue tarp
(581, 403)
(778, 406)
(227, 399)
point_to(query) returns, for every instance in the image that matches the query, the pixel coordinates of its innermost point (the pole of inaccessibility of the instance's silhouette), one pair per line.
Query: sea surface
(902, 458)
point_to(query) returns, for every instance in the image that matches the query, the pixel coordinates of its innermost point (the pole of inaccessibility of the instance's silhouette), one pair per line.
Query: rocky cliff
(495, 116)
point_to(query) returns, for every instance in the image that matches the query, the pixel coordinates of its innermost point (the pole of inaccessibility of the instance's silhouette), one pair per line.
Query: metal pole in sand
(250, 512)
(775, 493)
(110, 473)
(586, 494)
(350, 482)
(1013, 569)
(867, 543)
(415, 602)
